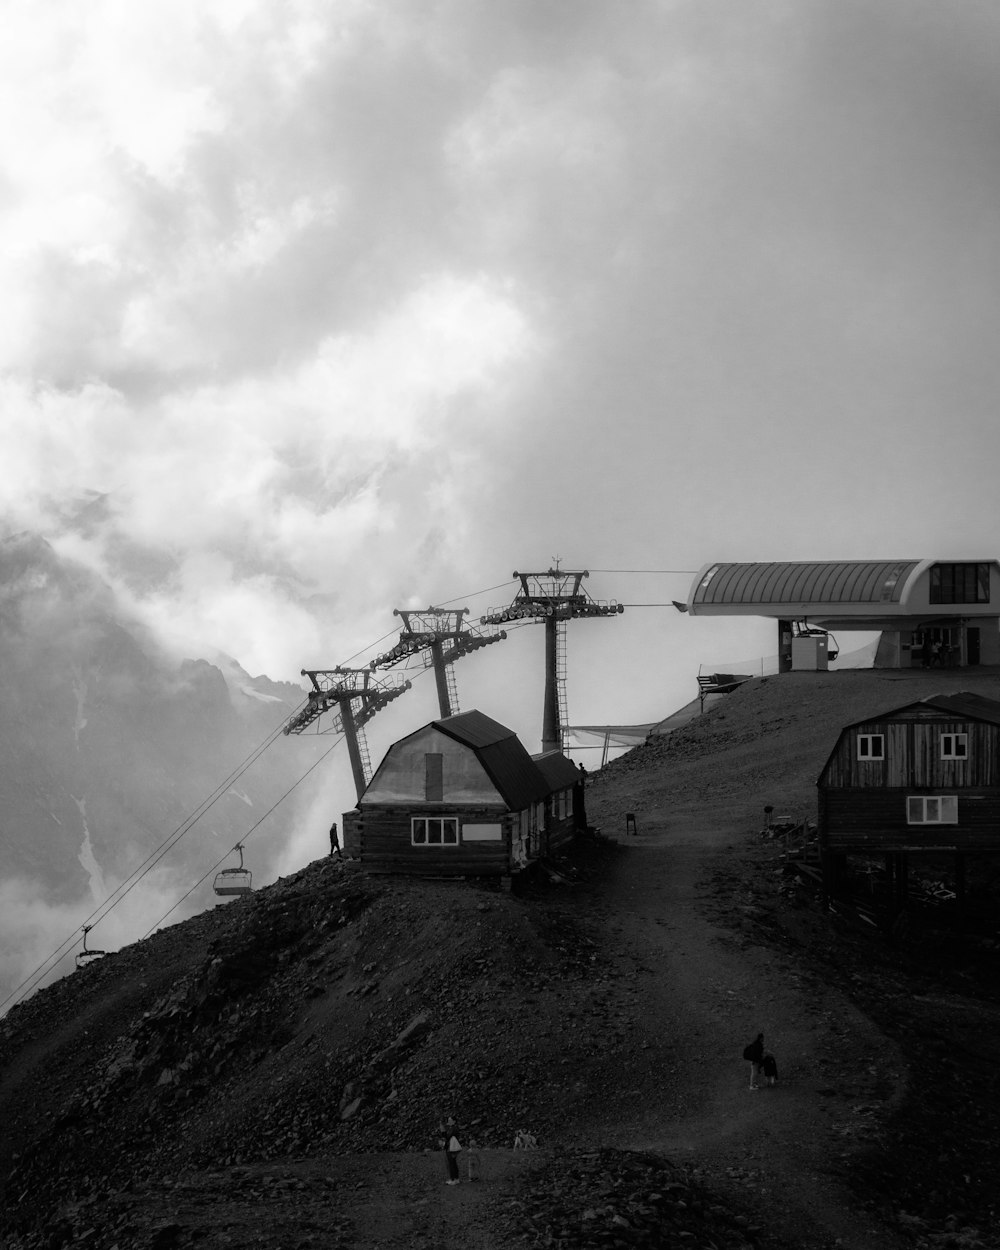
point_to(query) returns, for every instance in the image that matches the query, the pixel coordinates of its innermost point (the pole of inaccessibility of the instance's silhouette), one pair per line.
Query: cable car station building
(929, 612)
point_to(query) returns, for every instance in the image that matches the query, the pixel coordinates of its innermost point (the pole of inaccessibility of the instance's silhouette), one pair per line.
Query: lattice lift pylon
(439, 637)
(357, 695)
(553, 597)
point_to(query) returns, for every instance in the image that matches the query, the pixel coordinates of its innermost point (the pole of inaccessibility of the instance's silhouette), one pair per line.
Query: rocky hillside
(767, 742)
(276, 1072)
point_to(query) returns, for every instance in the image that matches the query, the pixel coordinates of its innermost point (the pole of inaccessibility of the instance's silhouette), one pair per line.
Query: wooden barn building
(462, 797)
(913, 791)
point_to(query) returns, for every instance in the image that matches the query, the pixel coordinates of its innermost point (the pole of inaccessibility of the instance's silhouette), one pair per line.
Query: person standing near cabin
(754, 1054)
(581, 799)
(334, 841)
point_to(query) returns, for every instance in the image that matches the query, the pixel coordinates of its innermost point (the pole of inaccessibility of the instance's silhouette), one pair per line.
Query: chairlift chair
(231, 881)
(85, 956)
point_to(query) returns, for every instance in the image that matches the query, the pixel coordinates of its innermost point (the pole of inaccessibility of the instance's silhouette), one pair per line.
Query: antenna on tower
(554, 598)
(439, 637)
(357, 696)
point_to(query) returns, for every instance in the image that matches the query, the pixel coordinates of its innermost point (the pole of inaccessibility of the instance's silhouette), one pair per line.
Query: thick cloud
(316, 309)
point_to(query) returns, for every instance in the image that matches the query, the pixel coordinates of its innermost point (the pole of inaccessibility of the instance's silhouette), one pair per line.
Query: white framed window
(954, 746)
(932, 809)
(434, 831)
(871, 746)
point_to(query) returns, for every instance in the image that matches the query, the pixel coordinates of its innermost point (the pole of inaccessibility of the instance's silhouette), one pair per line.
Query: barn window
(932, 809)
(434, 831)
(871, 746)
(954, 746)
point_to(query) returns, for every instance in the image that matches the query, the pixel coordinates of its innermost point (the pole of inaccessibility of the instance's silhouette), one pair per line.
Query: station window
(434, 831)
(871, 746)
(936, 809)
(960, 583)
(954, 746)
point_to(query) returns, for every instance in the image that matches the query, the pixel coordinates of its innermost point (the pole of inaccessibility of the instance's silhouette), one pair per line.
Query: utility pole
(438, 637)
(553, 597)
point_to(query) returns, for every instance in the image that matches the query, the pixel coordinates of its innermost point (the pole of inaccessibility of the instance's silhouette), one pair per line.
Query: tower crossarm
(357, 688)
(557, 593)
(434, 629)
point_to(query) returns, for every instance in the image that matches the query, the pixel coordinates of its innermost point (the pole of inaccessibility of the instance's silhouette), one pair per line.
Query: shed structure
(918, 786)
(462, 797)
(929, 612)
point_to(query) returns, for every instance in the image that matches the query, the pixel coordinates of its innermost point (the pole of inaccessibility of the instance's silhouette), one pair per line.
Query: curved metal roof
(828, 582)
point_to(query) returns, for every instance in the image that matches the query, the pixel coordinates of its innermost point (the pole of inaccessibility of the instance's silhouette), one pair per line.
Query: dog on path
(754, 1055)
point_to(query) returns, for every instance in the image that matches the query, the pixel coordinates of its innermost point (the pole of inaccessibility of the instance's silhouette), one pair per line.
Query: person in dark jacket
(754, 1054)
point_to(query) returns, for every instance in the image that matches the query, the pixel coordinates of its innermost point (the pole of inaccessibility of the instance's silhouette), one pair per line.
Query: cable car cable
(248, 833)
(107, 905)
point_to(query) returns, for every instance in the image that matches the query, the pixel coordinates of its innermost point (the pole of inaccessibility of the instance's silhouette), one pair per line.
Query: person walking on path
(754, 1053)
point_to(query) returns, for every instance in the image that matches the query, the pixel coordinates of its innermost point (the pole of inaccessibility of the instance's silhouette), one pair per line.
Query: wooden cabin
(462, 797)
(910, 788)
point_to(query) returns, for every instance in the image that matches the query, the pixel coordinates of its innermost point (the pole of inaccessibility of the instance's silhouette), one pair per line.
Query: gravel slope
(274, 1073)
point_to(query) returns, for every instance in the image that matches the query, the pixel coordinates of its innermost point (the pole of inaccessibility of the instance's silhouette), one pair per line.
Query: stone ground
(274, 1073)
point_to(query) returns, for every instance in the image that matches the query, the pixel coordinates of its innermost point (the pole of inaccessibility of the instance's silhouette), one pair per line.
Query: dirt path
(704, 989)
(709, 989)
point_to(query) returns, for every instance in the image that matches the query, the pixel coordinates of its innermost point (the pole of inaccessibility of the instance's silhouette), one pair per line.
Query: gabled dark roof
(962, 705)
(559, 772)
(966, 706)
(508, 765)
(474, 728)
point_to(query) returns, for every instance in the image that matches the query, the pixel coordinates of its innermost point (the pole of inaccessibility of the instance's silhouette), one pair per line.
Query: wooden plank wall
(876, 820)
(913, 757)
(385, 843)
(351, 834)
(560, 834)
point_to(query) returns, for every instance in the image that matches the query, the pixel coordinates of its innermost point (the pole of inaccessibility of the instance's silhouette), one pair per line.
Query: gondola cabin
(462, 797)
(914, 788)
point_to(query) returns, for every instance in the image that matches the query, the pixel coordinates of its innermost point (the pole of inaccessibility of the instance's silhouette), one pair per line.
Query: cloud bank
(316, 309)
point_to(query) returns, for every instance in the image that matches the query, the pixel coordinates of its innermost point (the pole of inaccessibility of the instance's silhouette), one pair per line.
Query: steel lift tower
(438, 637)
(357, 695)
(554, 598)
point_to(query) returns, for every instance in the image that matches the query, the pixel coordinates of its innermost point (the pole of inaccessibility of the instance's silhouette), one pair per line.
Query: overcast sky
(318, 308)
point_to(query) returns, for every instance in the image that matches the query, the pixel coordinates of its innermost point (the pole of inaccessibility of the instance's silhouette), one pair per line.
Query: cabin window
(932, 809)
(960, 583)
(871, 746)
(954, 746)
(434, 831)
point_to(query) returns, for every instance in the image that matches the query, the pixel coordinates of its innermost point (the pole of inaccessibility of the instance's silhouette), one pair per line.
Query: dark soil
(277, 1072)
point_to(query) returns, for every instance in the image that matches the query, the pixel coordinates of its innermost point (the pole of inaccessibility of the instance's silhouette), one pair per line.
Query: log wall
(875, 820)
(384, 843)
